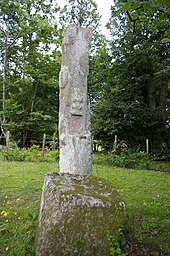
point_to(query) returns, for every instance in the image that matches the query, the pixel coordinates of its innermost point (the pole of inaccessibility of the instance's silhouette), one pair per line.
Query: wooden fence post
(7, 140)
(147, 146)
(43, 145)
(115, 142)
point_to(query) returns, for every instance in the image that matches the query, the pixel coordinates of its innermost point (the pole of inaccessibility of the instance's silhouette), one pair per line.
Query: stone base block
(77, 216)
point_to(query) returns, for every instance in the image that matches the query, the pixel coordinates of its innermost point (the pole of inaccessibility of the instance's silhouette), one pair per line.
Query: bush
(122, 156)
(32, 154)
(14, 153)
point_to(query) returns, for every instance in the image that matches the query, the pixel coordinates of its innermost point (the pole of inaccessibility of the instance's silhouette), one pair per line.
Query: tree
(134, 102)
(9, 35)
(81, 13)
(31, 67)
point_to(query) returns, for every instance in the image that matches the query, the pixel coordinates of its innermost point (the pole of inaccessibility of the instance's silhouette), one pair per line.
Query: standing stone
(74, 114)
(79, 214)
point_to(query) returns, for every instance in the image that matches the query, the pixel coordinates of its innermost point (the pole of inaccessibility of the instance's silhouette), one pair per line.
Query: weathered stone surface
(77, 214)
(74, 113)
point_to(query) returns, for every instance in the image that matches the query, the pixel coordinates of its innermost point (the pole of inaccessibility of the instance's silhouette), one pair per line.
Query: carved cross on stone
(74, 114)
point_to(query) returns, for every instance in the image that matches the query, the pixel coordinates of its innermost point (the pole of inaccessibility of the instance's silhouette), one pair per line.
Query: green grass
(146, 194)
(147, 197)
(20, 191)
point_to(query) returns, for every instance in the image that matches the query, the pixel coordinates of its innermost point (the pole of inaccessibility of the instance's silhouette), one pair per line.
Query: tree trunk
(4, 76)
(25, 134)
(33, 98)
(162, 100)
(151, 101)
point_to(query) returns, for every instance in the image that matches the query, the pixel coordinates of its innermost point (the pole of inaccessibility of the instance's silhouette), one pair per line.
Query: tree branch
(133, 21)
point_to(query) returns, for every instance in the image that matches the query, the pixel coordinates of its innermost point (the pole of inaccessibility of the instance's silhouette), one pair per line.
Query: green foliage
(14, 153)
(116, 246)
(32, 154)
(28, 29)
(131, 160)
(81, 13)
(151, 14)
(122, 156)
(128, 79)
(102, 159)
(132, 92)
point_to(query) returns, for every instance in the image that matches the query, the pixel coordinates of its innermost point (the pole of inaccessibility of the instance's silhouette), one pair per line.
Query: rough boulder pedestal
(78, 215)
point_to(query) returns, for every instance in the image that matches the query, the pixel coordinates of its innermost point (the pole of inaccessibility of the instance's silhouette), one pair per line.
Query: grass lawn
(146, 194)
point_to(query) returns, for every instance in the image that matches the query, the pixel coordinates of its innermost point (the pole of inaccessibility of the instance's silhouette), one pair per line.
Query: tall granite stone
(74, 113)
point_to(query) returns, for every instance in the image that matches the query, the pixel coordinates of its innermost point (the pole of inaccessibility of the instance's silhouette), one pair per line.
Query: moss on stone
(77, 213)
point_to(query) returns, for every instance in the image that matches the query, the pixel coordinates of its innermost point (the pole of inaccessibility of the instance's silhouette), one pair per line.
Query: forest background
(129, 86)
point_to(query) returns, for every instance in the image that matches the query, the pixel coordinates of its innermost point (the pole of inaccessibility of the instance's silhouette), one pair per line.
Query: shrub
(14, 153)
(122, 156)
(32, 154)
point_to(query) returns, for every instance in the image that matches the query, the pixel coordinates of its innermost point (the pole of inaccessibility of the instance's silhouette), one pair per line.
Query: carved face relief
(77, 106)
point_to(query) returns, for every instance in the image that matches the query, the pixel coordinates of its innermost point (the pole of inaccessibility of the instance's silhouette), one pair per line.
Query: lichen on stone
(77, 212)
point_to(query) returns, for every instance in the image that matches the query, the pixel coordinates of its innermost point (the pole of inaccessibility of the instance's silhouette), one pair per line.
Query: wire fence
(52, 143)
